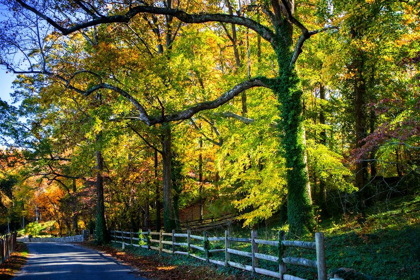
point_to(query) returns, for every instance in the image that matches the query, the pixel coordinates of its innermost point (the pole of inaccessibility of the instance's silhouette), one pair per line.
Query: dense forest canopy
(259, 109)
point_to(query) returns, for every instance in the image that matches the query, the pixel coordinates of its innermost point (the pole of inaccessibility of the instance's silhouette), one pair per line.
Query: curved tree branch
(265, 32)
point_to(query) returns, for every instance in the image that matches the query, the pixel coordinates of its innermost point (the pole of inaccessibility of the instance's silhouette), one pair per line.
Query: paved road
(58, 261)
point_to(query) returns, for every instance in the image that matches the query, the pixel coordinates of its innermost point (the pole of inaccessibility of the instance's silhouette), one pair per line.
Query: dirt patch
(162, 267)
(14, 263)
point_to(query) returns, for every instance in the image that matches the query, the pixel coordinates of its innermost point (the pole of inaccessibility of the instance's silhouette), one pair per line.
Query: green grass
(385, 246)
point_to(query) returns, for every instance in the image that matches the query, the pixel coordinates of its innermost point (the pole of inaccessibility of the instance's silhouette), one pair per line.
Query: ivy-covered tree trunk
(299, 210)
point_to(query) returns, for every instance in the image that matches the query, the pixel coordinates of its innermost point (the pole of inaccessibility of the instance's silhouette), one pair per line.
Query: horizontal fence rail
(7, 246)
(158, 240)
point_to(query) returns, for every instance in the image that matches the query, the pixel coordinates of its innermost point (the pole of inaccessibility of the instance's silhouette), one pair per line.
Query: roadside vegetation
(386, 246)
(15, 262)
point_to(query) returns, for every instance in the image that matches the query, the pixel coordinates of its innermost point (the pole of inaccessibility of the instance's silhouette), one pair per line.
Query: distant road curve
(61, 261)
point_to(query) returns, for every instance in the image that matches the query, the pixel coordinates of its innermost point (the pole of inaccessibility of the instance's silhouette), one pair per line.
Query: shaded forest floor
(15, 262)
(385, 245)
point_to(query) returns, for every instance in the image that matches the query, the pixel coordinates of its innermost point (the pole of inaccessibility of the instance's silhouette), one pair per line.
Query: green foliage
(38, 229)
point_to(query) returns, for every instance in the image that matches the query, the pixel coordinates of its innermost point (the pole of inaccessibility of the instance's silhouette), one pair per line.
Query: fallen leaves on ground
(15, 262)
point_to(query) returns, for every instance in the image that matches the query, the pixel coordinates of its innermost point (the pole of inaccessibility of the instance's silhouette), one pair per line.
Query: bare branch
(144, 139)
(220, 143)
(302, 39)
(293, 20)
(224, 98)
(184, 114)
(265, 32)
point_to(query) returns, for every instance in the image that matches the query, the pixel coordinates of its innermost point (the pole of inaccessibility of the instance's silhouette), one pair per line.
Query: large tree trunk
(299, 209)
(168, 211)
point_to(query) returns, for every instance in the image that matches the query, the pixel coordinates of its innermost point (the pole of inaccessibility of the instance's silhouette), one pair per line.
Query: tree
(81, 16)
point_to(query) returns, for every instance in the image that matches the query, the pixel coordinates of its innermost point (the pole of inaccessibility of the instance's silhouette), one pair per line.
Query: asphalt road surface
(60, 261)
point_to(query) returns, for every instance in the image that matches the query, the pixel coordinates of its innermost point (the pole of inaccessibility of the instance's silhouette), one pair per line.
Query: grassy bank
(384, 245)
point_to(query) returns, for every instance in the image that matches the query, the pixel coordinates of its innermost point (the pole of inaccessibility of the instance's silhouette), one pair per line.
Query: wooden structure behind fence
(156, 241)
(7, 246)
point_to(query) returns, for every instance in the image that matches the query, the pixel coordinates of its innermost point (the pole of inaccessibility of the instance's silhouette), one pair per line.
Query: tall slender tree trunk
(200, 180)
(101, 232)
(323, 135)
(360, 125)
(74, 208)
(146, 220)
(168, 211)
(157, 201)
(372, 155)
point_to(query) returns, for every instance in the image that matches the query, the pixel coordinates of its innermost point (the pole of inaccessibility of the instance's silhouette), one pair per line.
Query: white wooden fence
(156, 241)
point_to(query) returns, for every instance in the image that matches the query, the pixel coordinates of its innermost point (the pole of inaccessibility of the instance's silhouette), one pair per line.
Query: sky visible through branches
(6, 80)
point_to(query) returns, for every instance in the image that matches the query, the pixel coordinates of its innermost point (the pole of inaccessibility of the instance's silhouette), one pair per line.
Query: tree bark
(168, 211)
(146, 208)
(372, 155)
(74, 208)
(157, 201)
(101, 232)
(299, 209)
(323, 137)
(200, 180)
(360, 125)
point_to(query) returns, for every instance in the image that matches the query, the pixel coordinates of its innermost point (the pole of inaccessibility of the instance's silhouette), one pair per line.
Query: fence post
(160, 241)
(148, 239)
(320, 256)
(227, 246)
(173, 241)
(188, 241)
(206, 246)
(141, 238)
(131, 239)
(254, 247)
(282, 253)
(122, 239)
